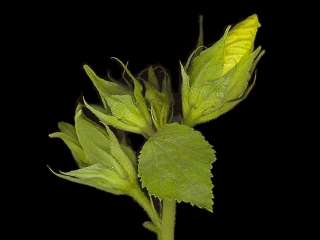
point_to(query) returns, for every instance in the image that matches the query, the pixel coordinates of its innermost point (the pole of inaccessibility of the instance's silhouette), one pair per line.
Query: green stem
(144, 202)
(168, 220)
(189, 119)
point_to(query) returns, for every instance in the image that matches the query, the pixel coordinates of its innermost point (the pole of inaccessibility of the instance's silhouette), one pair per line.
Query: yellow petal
(240, 41)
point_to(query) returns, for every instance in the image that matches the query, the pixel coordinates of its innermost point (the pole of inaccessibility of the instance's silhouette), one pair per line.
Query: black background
(252, 187)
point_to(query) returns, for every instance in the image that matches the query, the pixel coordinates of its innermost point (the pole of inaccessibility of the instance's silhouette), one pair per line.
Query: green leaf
(69, 137)
(200, 38)
(209, 95)
(227, 91)
(211, 99)
(185, 90)
(138, 97)
(96, 143)
(117, 152)
(68, 129)
(123, 107)
(175, 164)
(104, 87)
(152, 78)
(159, 103)
(130, 153)
(208, 65)
(73, 145)
(97, 176)
(158, 95)
(141, 102)
(150, 226)
(112, 120)
(199, 45)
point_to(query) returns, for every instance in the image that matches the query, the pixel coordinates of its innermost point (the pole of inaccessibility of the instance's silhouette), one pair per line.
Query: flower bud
(103, 162)
(125, 109)
(218, 77)
(240, 42)
(158, 94)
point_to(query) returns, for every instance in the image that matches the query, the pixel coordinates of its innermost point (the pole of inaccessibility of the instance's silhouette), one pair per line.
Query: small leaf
(117, 152)
(141, 102)
(130, 153)
(112, 120)
(200, 38)
(158, 95)
(152, 78)
(69, 137)
(150, 226)
(104, 87)
(68, 129)
(208, 65)
(185, 90)
(95, 143)
(139, 99)
(227, 91)
(175, 164)
(159, 103)
(199, 45)
(74, 146)
(97, 176)
(123, 107)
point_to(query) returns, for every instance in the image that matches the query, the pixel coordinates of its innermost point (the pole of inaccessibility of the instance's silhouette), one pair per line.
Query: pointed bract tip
(86, 67)
(51, 135)
(253, 19)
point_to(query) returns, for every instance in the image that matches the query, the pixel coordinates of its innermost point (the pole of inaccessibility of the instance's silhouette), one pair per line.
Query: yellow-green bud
(158, 94)
(240, 42)
(124, 108)
(103, 162)
(218, 77)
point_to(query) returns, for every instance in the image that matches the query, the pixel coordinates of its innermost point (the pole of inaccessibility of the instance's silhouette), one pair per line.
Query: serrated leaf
(175, 163)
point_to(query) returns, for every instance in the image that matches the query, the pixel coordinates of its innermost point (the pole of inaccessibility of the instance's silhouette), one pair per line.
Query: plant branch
(145, 203)
(168, 220)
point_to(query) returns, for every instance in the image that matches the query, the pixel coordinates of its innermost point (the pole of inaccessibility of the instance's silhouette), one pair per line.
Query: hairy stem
(145, 203)
(168, 220)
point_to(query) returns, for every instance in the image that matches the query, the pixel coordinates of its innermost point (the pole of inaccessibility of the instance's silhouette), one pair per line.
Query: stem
(144, 202)
(189, 119)
(168, 220)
